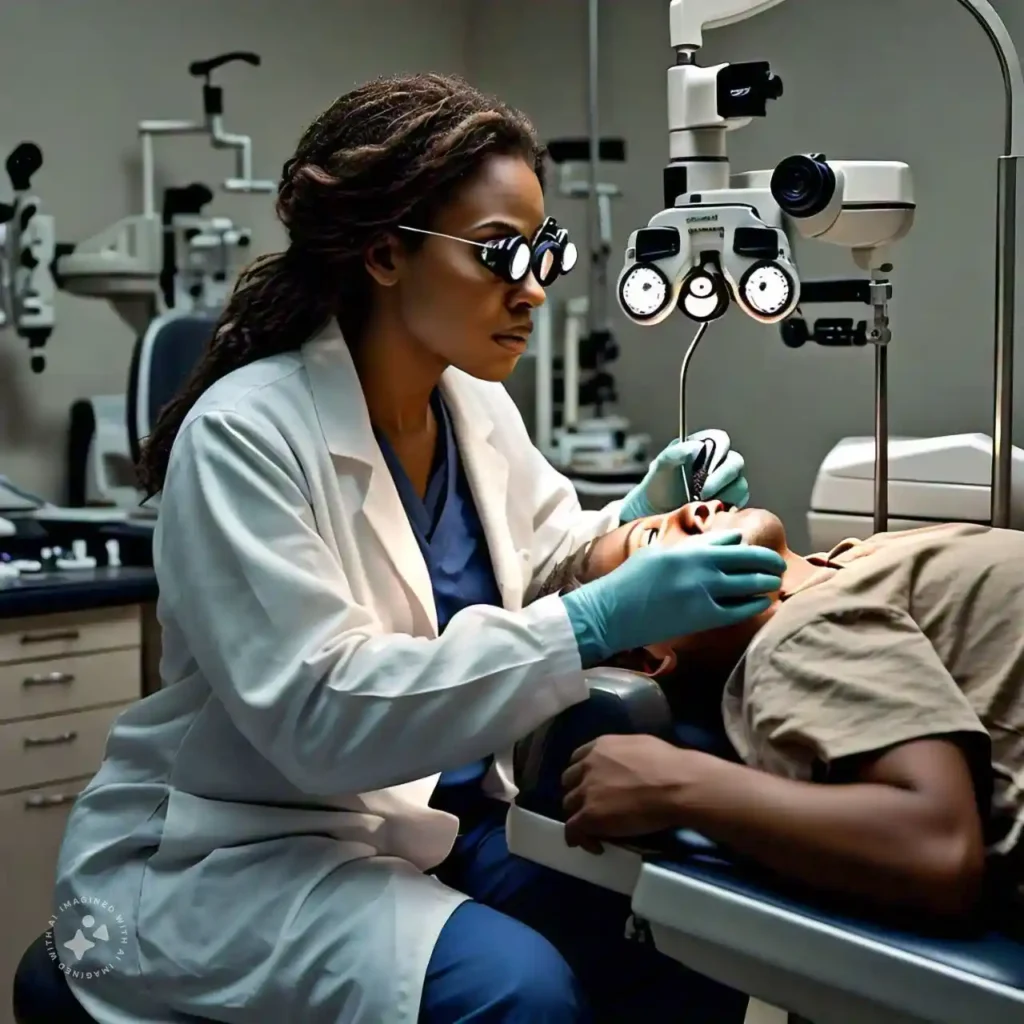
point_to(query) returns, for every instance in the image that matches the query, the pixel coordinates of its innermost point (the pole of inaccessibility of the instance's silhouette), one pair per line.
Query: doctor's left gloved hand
(666, 485)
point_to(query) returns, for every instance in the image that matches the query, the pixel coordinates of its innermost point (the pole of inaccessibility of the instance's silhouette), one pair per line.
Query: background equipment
(576, 390)
(172, 257)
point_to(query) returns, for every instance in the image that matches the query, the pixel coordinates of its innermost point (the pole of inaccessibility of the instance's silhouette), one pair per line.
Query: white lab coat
(254, 823)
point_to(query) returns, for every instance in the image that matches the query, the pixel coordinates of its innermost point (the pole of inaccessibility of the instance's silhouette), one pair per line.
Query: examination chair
(162, 361)
(728, 921)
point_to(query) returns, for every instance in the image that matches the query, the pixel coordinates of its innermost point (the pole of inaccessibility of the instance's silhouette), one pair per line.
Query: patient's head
(712, 652)
(756, 525)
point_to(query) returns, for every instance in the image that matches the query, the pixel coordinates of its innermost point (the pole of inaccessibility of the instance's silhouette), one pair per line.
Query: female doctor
(307, 822)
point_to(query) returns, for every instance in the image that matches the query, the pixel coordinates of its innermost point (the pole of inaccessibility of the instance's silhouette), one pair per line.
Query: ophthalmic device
(172, 257)
(724, 239)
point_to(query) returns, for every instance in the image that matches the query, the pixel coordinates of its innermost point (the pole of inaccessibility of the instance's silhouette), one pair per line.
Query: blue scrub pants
(539, 947)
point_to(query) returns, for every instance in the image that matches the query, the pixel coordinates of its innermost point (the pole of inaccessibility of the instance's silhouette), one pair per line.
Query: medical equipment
(100, 468)
(107, 431)
(707, 251)
(596, 450)
(549, 254)
(724, 239)
(933, 479)
(688, 897)
(174, 257)
(593, 444)
(132, 262)
(27, 249)
(715, 448)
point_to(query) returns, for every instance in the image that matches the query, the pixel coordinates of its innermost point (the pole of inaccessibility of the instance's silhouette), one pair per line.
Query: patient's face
(711, 653)
(757, 526)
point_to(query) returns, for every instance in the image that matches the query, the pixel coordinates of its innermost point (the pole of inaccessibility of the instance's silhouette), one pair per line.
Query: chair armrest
(620, 702)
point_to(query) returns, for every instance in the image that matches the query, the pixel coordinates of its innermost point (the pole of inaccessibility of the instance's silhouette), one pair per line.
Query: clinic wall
(77, 77)
(911, 80)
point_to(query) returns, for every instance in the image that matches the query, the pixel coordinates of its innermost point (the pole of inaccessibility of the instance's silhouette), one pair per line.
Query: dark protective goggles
(549, 255)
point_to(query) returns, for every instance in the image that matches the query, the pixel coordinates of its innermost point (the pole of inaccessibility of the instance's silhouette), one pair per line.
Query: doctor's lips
(516, 333)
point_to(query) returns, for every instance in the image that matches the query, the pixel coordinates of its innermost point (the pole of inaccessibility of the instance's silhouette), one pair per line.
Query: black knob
(23, 162)
(204, 68)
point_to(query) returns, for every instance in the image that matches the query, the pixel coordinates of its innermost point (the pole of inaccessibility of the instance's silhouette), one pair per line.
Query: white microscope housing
(725, 238)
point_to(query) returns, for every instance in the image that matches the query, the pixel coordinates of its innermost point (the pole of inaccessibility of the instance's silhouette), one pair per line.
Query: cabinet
(63, 680)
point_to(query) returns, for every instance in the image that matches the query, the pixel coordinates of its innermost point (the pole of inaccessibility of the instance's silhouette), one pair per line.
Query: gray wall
(912, 80)
(77, 76)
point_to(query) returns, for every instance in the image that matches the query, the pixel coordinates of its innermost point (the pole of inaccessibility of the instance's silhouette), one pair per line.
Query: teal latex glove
(666, 486)
(661, 593)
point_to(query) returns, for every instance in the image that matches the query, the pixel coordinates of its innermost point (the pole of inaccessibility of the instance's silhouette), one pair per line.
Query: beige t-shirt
(899, 637)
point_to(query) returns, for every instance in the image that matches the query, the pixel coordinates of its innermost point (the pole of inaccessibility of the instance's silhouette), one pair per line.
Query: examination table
(727, 921)
(710, 913)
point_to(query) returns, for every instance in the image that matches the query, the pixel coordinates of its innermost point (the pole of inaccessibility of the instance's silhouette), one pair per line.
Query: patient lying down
(880, 698)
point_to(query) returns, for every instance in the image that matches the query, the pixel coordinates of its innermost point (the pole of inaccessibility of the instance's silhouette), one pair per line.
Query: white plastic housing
(934, 479)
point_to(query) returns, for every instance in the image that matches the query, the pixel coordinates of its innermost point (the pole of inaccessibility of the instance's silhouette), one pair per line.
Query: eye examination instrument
(172, 255)
(724, 240)
(577, 425)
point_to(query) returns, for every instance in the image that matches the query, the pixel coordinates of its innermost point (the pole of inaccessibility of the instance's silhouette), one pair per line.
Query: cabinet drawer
(31, 830)
(52, 636)
(40, 750)
(59, 685)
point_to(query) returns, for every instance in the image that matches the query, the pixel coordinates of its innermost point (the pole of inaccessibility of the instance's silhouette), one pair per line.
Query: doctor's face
(455, 307)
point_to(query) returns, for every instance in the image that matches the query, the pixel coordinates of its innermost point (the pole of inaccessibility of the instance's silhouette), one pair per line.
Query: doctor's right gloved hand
(661, 593)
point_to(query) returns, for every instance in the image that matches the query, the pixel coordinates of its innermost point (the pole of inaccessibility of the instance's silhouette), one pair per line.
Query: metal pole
(1006, 282)
(1006, 255)
(881, 438)
(684, 371)
(596, 300)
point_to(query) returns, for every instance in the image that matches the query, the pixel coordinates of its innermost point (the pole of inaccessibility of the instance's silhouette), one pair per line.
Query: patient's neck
(798, 572)
(710, 657)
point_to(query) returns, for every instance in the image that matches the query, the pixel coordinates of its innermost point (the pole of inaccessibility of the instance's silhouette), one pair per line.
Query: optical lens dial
(766, 289)
(644, 292)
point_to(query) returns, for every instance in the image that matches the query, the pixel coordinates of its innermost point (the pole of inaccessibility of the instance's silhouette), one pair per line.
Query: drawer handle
(49, 636)
(48, 679)
(51, 741)
(37, 802)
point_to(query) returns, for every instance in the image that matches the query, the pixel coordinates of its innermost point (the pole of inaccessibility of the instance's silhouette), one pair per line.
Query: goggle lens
(519, 261)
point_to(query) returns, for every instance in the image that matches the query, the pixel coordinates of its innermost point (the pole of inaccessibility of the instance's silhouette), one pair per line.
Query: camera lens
(803, 185)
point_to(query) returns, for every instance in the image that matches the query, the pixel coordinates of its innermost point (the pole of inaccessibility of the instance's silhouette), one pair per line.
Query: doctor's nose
(529, 293)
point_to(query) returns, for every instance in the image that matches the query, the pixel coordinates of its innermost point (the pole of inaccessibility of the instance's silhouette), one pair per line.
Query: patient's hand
(621, 786)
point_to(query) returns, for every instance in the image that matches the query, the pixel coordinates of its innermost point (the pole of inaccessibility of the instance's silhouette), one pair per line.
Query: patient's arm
(905, 834)
(857, 696)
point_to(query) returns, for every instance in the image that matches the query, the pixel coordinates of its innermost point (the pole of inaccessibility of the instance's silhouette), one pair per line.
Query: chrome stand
(1006, 255)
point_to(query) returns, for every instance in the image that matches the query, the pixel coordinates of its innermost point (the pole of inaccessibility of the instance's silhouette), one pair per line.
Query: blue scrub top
(451, 538)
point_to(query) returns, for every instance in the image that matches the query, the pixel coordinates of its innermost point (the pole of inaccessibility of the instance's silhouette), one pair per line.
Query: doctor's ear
(383, 260)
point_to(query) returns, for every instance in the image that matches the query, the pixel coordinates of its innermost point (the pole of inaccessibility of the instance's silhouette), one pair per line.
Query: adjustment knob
(22, 163)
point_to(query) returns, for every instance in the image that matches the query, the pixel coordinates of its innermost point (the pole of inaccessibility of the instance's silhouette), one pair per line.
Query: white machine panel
(933, 479)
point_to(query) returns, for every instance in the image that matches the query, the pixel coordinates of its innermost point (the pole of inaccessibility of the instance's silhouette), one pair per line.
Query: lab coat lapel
(345, 421)
(487, 470)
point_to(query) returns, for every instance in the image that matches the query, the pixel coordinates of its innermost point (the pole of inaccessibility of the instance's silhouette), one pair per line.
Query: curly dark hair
(391, 151)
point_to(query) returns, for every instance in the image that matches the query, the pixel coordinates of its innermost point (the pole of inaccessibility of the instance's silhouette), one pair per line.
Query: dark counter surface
(74, 591)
